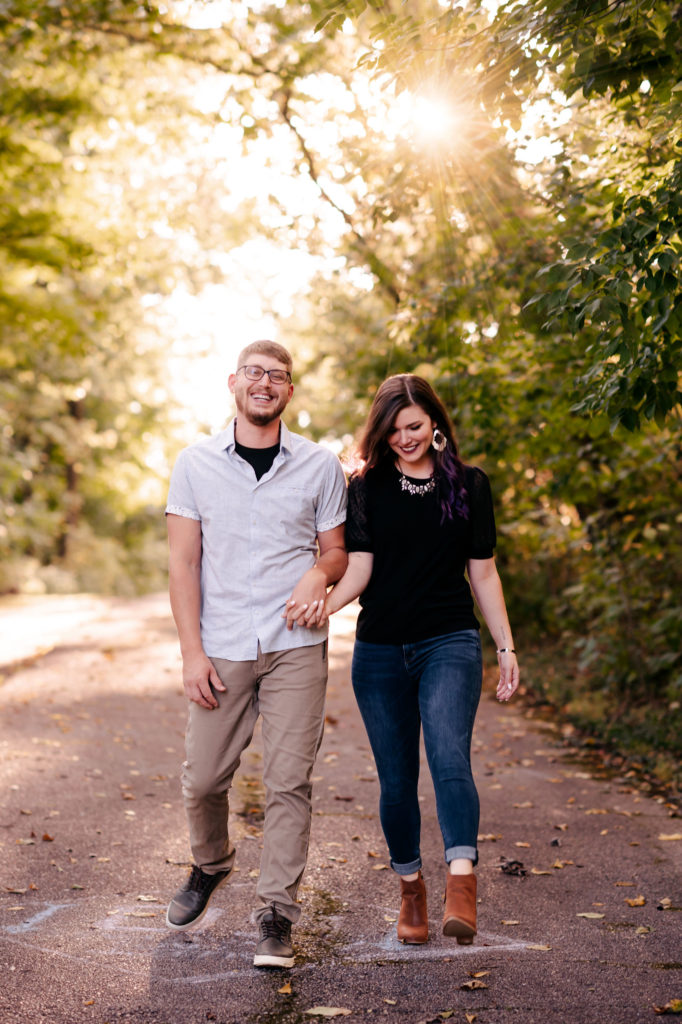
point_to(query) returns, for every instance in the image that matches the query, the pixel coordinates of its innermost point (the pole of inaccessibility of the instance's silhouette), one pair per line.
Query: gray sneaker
(274, 947)
(190, 902)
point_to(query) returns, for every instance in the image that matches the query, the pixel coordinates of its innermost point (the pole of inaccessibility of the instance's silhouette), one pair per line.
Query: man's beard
(259, 417)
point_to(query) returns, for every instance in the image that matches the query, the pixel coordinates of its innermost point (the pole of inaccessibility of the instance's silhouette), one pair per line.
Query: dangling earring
(439, 440)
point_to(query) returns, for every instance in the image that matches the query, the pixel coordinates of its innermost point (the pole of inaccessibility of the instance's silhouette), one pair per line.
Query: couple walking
(260, 525)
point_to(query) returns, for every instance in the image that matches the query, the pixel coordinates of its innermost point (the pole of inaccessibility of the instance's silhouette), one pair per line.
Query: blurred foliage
(544, 304)
(539, 293)
(96, 221)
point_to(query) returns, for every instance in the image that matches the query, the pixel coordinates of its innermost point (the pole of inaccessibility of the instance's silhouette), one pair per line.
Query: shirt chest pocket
(290, 512)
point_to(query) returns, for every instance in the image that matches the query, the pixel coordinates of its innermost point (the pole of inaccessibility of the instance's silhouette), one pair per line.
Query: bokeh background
(486, 194)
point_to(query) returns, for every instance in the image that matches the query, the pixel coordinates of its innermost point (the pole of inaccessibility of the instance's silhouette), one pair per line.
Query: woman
(417, 519)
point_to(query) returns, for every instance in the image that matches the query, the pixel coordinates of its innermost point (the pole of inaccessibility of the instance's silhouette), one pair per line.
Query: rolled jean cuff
(407, 869)
(461, 852)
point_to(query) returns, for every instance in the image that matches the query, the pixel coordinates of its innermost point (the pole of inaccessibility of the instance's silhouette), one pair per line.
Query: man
(255, 525)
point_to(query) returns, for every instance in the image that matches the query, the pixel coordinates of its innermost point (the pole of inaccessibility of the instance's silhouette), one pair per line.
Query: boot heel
(413, 922)
(459, 918)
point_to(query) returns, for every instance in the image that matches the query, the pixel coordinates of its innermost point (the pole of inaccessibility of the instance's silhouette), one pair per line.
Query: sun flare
(426, 118)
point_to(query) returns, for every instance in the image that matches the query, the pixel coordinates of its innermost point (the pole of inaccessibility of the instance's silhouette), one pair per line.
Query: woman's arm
(305, 607)
(350, 586)
(487, 590)
(353, 581)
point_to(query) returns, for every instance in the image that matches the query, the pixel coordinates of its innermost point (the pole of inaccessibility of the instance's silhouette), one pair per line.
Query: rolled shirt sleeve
(181, 500)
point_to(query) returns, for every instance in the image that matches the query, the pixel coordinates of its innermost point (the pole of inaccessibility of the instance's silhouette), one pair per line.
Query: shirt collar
(226, 439)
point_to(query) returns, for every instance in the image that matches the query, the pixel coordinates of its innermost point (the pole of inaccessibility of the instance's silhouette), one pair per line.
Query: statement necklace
(413, 488)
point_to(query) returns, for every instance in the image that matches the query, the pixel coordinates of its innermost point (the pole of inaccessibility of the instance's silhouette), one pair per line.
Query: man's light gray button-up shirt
(258, 536)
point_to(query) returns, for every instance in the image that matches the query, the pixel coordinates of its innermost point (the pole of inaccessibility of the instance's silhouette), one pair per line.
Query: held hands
(200, 679)
(306, 606)
(509, 675)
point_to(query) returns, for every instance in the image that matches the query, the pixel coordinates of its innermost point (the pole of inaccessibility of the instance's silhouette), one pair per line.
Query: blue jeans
(436, 684)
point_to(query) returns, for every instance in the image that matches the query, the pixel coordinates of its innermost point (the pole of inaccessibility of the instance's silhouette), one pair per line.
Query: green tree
(92, 211)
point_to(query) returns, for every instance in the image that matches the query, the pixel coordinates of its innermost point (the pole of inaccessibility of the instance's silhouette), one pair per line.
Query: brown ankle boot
(413, 922)
(459, 918)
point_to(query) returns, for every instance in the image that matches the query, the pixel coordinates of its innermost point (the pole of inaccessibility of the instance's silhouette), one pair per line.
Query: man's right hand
(199, 679)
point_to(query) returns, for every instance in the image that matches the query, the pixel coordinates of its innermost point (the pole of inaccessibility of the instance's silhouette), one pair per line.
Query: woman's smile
(410, 439)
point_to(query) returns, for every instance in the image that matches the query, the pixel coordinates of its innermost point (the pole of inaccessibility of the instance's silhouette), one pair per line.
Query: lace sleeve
(358, 532)
(481, 514)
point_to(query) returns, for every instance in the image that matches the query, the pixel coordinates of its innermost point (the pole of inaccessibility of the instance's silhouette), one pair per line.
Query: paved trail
(93, 842)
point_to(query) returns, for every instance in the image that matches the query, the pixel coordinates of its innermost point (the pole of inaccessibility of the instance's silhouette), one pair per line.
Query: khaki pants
(287, 688)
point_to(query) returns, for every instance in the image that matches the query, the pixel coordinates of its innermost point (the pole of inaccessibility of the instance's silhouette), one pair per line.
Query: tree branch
(382, 273)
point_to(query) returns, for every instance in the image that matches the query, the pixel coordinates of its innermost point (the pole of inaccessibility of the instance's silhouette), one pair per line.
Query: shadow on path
(93, 842)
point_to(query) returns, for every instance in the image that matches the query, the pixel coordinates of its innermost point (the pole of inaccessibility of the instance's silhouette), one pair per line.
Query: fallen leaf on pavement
(391, 1002)
(512, 867)
(674, 1006)
(562, 827)
(15, 892)
(26, 842)
(670, 838)
(643, 929)
(469, 986)
(590, 915)
(544, 949)
(490, 837)
(524, 845)
(391, 920)
(285, 990)
(664, 904)
(510, 922)
(477, 974)
(379, 867)
(596, 810)
(526, 803)
(148, 899)
(536, 871)
(625, 884)
(371, 853)
(141, 913)
(638, 901)
(470, 1018)
(328, 1011)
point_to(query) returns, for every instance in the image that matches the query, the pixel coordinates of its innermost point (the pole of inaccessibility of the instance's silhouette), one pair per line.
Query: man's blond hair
(266, 348)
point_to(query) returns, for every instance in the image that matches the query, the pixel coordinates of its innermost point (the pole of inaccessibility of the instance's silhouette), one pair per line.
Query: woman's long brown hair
(396, 393)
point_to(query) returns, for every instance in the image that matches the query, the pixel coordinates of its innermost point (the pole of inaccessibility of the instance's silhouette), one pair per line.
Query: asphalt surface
(582, 927)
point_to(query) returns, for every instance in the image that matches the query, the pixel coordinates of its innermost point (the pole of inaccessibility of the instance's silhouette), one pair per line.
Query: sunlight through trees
(486, 194)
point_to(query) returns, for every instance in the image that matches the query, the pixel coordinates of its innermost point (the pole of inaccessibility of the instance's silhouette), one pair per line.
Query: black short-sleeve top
(418, 588)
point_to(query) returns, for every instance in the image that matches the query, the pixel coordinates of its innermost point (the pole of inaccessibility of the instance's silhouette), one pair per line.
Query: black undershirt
(418, 587)
(261, 459)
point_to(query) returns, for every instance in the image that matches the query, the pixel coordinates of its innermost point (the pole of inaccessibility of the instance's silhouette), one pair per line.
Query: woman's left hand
(509, 675)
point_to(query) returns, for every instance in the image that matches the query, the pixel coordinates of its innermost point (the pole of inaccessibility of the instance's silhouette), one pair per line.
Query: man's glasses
(254, 372)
